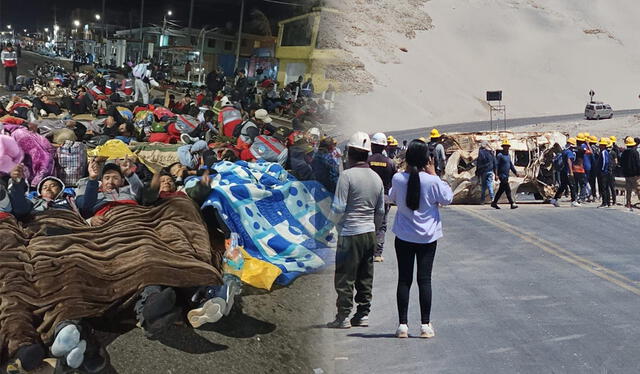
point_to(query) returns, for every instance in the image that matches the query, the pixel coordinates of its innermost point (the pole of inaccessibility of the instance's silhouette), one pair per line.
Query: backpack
(269, 149)
(185, 123)
(71, 162)
(558, 161)
(238, 129)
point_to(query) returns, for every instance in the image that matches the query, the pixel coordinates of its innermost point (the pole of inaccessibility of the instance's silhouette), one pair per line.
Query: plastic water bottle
(233, 262)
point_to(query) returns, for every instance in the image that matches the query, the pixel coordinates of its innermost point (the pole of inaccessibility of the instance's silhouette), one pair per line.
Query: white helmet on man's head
(379, 139)
(360, 140)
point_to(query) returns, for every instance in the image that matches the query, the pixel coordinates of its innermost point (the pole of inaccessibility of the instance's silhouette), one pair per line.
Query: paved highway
(535, 290)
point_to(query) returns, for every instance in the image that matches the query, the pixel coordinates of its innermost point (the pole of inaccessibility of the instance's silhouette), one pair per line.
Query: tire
(598, 118)
(611, 116)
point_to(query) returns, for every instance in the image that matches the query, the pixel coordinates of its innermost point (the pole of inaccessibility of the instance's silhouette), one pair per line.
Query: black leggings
(406, 252)
(504, 188)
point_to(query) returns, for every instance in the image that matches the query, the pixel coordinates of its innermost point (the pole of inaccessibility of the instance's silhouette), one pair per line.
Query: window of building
(211, 43)
(228, 46)
(297, 33)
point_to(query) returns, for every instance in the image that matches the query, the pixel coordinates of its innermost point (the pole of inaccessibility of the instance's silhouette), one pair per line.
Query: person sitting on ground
(184, 105)
(325, 168)
(200, 132)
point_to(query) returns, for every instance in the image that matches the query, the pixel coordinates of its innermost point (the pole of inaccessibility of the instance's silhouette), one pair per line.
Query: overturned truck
(531, 152)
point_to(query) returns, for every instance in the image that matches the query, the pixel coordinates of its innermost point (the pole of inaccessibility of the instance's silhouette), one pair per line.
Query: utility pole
(190, 19)
(104, 22)
(239, 36)
(141, 23)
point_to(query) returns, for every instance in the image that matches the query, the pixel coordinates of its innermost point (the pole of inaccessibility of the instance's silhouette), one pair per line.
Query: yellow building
(306, 48)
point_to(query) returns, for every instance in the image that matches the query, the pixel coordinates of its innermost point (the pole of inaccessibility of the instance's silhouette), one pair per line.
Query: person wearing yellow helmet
(436, 150)
(595, 152)
(584, 156)
(630, 162)
(567, 176)
(504, 165)
(604, 172)
(614, 154)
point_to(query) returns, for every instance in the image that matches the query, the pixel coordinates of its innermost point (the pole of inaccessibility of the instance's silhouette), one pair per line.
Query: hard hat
(586, 135)
(314, 132)
(360, 140)
(379, 139)
(394, 142)
(593, 139)
(572, 141)
(604, 141)
(435, 133)
(581, 138)
(580, 135)
(613, 138)
(389, 139)
(630, 142)
(505, 142)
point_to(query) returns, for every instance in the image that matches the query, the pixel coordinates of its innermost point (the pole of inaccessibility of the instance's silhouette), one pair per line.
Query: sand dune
(544, 54)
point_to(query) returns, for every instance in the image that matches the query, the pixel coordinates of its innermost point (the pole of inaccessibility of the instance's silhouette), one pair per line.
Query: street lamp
(97, 17)
(9, 27)
(169, 13)
(76, 23)
(46, 29)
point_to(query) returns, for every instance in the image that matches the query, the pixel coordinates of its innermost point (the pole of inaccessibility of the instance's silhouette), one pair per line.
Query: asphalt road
(534, 290)
(26, 63)
(512, 124)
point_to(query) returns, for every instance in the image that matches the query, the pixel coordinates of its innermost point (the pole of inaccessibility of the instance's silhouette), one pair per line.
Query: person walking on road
(436, 149)
(142, 75)
(485, 165)
(10, 63)
(604, 170)
(504, 165)
(567, 177)
(417, 192)
(630, 162)
(385, 168)
(358, 206)
(616, 169)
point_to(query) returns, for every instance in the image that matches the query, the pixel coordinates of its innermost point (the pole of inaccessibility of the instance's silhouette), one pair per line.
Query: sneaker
(339, 323)
(186, 139)
(210, 312)
(495, 206)
(378, 259)
(402, 331)
(426, 331)
(575, 204)
(66, 339)
(360, 321)
(555, 203)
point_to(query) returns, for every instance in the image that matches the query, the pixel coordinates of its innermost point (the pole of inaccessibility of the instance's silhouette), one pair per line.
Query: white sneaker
(402, 331)
(426, 331)
(575, 204)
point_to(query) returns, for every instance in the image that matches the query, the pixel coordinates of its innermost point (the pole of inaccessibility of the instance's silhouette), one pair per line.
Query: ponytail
(413, 189)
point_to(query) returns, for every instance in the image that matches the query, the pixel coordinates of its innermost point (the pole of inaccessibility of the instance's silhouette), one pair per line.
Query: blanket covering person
(280, 220)
(89, 271)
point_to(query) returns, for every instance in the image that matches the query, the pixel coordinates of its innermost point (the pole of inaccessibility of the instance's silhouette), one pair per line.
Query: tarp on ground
(280, 220)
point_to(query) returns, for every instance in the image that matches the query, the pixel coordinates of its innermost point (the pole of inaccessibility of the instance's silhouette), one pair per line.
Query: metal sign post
(591, 94)
(499, 109)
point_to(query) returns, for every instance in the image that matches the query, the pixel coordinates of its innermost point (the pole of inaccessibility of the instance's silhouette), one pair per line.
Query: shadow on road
(186, 339)
(240, 325)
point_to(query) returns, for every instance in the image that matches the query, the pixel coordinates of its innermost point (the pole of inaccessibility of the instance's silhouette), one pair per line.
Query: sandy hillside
(619, 127)
(544, 54)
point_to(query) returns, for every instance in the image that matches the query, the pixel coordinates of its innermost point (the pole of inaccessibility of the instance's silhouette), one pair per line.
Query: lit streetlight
(98, 17)
(9, 27)
(76, 23)
(46, 29)
(169, 13)
(25, 31)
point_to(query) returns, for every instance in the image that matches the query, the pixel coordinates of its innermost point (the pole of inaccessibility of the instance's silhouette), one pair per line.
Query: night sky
(32, 14)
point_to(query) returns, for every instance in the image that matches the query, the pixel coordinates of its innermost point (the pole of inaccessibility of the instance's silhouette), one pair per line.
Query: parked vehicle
(598, 110)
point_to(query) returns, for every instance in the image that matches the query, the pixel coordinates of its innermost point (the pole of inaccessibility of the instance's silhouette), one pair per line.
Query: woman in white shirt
(417, 193)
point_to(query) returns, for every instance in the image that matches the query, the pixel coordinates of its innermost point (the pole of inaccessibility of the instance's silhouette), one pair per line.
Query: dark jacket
(630, 162)
(486, 162)
(384, 167)
(325, 169)
(91, 198)
(504, 165)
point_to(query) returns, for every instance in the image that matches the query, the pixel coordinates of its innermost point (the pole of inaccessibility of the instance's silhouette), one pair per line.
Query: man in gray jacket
(359, 207)
(95, 196)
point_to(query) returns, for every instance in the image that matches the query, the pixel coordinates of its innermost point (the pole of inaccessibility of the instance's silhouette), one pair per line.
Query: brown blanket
(17, 325)
(80, 271)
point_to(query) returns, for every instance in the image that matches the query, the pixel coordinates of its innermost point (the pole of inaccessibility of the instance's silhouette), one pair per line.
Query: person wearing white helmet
(358, 205)
(385, 168)
(229, 117)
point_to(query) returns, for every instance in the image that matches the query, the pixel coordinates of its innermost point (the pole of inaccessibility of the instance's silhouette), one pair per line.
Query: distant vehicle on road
(598, 110)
